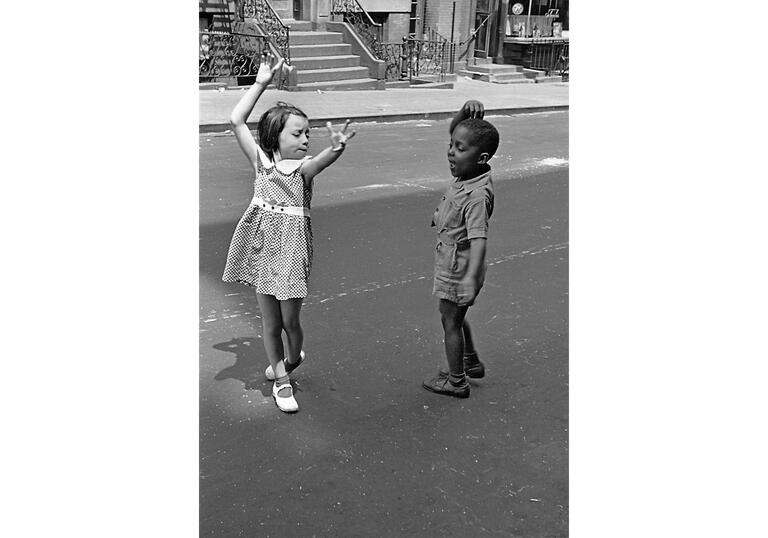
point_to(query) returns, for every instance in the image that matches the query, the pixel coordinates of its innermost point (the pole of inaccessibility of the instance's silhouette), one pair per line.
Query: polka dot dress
(273, 251)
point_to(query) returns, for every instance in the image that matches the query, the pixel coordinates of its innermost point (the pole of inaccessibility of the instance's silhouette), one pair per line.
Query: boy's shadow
(247, 368)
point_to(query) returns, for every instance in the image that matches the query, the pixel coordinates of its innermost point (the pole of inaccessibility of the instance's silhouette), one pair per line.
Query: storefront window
(547, 17)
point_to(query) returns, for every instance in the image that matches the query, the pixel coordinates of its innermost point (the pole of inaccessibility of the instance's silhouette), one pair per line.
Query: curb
(380, 118)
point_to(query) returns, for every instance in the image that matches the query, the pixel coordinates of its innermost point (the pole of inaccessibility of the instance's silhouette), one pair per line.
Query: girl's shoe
(285, 403)
(288, 367)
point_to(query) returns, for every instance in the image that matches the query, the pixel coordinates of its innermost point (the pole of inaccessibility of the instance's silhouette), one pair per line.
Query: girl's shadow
(247, 368)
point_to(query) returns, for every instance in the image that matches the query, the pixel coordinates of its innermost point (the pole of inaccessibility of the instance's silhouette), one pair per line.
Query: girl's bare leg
(290, 311)
(272, 322)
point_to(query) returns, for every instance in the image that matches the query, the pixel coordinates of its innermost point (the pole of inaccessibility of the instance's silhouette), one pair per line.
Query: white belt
(277, 208)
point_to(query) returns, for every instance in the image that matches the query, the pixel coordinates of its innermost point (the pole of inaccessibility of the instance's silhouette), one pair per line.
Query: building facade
(452, 19)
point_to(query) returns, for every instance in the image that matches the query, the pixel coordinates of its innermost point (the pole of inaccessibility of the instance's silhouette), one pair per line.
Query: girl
(271, 249)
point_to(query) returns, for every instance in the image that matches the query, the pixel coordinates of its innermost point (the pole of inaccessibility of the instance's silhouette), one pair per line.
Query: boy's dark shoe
(473, 367)
(441, 384)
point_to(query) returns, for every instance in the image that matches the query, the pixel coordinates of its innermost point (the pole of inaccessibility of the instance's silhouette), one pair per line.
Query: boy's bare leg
(469, 344)
(452, 317)
(290, 310)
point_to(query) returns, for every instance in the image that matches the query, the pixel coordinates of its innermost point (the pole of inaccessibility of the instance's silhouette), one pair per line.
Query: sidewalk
(389, 105)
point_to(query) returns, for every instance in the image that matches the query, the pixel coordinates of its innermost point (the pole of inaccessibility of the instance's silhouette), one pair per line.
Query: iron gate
(418, 58)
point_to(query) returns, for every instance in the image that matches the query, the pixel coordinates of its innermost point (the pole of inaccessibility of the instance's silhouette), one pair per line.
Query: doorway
(481, 29)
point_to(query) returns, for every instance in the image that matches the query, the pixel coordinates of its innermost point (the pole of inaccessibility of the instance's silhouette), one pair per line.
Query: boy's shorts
(451, 263)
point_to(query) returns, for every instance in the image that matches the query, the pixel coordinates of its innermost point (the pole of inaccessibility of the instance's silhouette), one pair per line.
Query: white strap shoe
(288, 403)
(271, 375)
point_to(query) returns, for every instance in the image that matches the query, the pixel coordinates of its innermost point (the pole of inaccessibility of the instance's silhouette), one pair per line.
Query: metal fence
(550, 56)
(351, 12)
(263, 13)
(230, 55)
(418, 58)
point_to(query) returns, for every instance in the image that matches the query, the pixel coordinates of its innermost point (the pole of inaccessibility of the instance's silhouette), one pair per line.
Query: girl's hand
(339, 138)
(474, 109)
(268, 68)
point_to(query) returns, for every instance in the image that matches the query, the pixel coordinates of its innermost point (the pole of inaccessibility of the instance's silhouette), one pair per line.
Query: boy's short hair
(483, 134)
(271, 125)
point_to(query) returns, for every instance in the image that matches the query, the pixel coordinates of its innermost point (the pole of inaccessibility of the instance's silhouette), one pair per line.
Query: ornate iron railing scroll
(266, 17)
(351, 12)
(230, 54)
(430, 57)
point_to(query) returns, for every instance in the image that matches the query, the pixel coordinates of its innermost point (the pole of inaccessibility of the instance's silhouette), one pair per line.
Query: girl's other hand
(339, 138)
(474, 109)
(268, 68)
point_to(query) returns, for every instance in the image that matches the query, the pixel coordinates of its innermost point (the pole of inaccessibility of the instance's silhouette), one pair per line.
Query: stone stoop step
(324, 62)
(338, 85)
(336, 73)
(315, 38)
(540, 78)
(496, 73)
(310, 51)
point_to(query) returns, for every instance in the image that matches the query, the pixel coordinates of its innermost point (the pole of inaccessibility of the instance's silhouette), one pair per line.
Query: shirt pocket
(445, 257)
(452, 216)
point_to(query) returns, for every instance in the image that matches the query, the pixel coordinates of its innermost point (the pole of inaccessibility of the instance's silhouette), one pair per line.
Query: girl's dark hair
(271, 125)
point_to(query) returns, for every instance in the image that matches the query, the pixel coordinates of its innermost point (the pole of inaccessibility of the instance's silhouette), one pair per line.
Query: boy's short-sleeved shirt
(465, 209)
(462, 214)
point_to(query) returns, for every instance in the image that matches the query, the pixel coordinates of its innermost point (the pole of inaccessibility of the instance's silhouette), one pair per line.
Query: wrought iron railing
(419, 58)
(550, 56)
(230, 54)
(261, 11)
(351, 12)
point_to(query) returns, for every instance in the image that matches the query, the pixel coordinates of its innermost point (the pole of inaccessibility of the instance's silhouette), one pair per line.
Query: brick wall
(438, 17)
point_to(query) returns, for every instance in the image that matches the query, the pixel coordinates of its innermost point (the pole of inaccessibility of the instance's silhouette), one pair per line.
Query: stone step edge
(337, 69)
(337, 82)
(334, 57)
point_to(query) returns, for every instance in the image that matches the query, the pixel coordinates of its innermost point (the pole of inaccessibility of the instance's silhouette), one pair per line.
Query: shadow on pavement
(247, 368)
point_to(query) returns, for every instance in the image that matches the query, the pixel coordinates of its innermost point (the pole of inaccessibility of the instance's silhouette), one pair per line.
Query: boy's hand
(339, 138)
(468, 290)
(473, 109)
(268, 68)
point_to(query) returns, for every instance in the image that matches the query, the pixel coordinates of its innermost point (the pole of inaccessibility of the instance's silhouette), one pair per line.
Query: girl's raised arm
(239, 117)
(328, 156)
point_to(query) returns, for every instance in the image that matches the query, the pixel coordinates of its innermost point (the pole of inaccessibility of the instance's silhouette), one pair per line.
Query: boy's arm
(244, 107)
(470, 284)
(329, 155)
(471, 109)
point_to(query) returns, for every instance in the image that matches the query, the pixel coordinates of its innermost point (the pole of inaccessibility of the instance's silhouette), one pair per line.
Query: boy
(461, 220)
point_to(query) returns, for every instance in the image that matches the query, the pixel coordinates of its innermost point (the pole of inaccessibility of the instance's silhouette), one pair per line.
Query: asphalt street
(370, 453)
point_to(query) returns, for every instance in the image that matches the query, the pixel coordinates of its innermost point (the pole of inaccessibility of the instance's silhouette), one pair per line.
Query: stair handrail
(472, 37)
(356, 15)
(267, 17)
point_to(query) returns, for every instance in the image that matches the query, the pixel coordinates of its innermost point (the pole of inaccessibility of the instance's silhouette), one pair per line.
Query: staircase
(323, 60)
(505, 73)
